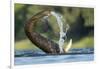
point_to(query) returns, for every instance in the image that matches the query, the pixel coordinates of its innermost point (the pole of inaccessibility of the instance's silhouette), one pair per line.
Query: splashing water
(60, 21)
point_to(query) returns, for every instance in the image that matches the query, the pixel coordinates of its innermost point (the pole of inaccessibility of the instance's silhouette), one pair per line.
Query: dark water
(38, 59)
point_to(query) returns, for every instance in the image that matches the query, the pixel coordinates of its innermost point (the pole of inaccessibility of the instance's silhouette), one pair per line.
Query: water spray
(62, 37)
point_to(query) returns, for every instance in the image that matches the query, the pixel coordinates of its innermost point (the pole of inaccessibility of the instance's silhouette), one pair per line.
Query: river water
(38, 59)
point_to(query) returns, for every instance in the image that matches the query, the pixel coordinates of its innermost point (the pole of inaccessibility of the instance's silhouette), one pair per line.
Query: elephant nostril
(47, 13)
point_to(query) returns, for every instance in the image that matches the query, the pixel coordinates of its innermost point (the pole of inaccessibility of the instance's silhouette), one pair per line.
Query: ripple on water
(53, 59)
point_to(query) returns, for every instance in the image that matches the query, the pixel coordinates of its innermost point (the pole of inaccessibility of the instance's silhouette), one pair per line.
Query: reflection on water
(32, 57)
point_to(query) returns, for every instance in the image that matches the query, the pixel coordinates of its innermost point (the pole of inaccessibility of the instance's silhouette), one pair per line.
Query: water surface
(53, 59)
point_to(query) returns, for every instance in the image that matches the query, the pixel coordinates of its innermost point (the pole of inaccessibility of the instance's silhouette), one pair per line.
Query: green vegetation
(24, 45)
(81, 21)
(86, 42)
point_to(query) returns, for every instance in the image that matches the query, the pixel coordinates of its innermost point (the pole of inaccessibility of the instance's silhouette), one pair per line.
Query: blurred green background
(80, 19)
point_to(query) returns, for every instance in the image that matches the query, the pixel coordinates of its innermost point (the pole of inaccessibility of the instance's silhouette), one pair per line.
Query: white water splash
(60, 21)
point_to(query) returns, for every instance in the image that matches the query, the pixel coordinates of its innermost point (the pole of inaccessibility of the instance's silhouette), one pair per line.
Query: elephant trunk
(41, 42)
